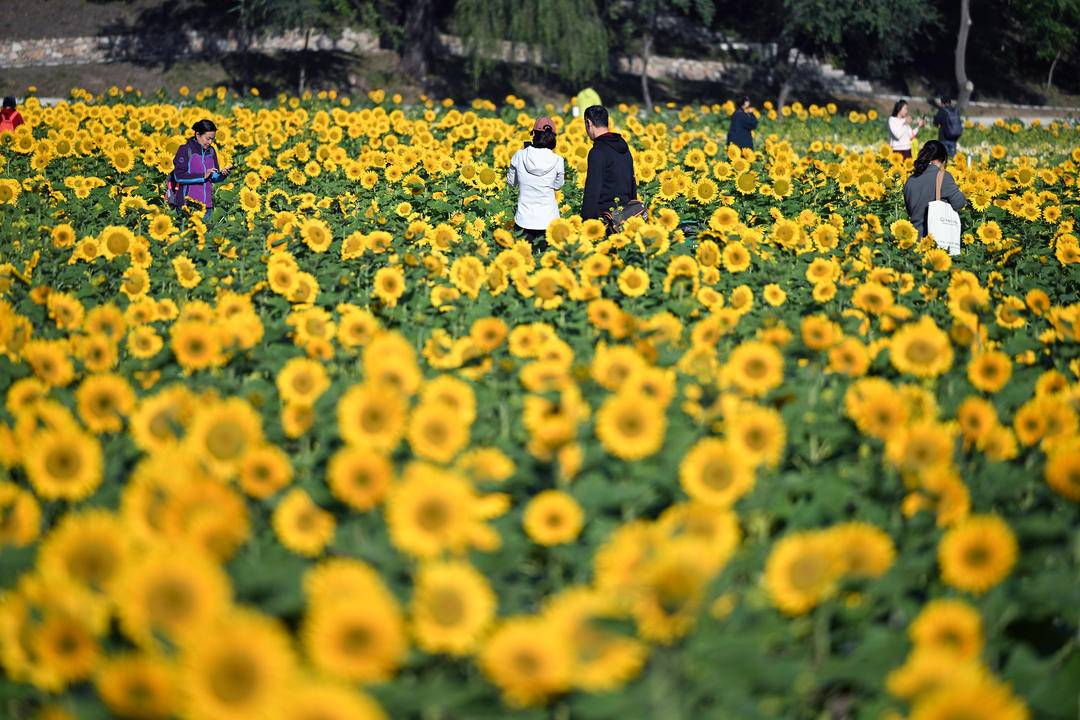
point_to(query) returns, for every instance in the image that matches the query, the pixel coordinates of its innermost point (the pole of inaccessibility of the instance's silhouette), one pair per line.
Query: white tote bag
(942, 222)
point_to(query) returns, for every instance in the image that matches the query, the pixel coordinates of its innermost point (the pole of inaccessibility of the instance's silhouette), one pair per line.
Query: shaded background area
(902, 46)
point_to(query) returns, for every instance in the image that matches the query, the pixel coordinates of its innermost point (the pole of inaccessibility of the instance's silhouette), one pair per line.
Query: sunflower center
(356, 639)
(225, 441)
(432, 515)
(807, 572)
(372, 419)
(921, 352)
(62, 463)
(756, 368)
(977, 556)
(717, 475)
(447, 607)
(170, 601)
(234, 678)
(92, 562)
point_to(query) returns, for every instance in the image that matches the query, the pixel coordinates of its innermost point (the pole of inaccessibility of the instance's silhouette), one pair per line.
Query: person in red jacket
(9, 116)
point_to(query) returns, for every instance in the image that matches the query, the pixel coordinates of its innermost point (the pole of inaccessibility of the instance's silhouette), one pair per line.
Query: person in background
(921, 188)
(950, 125)
(743, 122)
(537, 172)
(900, 131)
(196, 168)
(584, 100)
(10, 117)
(609, 180)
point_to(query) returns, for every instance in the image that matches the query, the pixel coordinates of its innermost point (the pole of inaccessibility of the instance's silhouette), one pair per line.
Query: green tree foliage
(567, 35)
(636, 22)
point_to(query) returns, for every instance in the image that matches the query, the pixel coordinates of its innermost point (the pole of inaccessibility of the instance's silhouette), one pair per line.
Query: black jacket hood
(615, 142)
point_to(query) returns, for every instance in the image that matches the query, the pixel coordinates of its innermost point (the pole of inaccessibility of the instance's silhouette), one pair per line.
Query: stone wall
(108, 48)
(175, 46)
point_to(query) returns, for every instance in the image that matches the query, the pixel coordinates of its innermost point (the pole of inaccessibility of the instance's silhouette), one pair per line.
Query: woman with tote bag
(932, 197)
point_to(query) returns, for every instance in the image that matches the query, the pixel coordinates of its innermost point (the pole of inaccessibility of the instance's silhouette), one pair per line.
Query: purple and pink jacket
(189, 168)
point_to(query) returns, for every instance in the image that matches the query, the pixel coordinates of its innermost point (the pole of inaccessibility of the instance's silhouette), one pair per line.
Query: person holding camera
(900, 131)
(537, 172)
(196, 169)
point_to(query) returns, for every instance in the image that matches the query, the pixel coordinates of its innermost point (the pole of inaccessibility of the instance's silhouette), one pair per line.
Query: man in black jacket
(610, 181)
(743, 123)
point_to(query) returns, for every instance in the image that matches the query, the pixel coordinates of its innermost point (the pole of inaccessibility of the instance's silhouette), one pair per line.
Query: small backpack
(174, 191)
(954, 126)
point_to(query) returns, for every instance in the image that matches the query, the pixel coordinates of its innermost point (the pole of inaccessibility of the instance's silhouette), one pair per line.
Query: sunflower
(802, 570)
(925, 671)
(264, 470)
(64, 646)
(488, 333)
(633, 282)
(553, 518)
(951, 626)
(49, 361)
(355, 641)
(920, 446)
(241, 668)
(159, 421)
(758, 433)
(196, 345)
(139, 686)
(603, 659)
(222, 432)
(63, 464)
(736, 257)
(87, 549)
(1063, 470)
(372, 415)
(430, 512)
(359, 478)
(527, 661)
(389, 285)
(977, 553)
(849, 357)
(115, 241)
(986, 699)
(302, 380)
(452, 607)
(317, 699)
(746, 182)
(103, 402)
(158, 598)
(921, 349)
(21, 516)
(866, 551)
(435, 433)
(316, 235)
(989, 370)
(671, 590)
(716, 473)
(755, 368)
(301, 525)
(631, 426)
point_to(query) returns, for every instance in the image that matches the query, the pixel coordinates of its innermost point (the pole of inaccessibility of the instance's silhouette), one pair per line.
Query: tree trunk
(419, 38)
(1050, 75)
(303, 64)
(963, 85)
(646, 53)
(787, 83)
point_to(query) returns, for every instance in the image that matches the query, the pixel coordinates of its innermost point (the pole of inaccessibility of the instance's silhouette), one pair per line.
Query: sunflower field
(352, 450)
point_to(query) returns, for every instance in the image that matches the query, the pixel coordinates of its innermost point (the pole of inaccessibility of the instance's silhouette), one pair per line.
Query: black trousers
(536, 238)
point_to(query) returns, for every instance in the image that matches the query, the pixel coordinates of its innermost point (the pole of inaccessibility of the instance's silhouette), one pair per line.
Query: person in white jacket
(537, 172)
(900, 131)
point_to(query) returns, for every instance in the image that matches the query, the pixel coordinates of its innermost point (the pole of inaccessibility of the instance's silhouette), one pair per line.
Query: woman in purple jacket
(196, 169)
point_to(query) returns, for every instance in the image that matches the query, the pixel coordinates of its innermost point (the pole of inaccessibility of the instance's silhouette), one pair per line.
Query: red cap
(543, 123)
